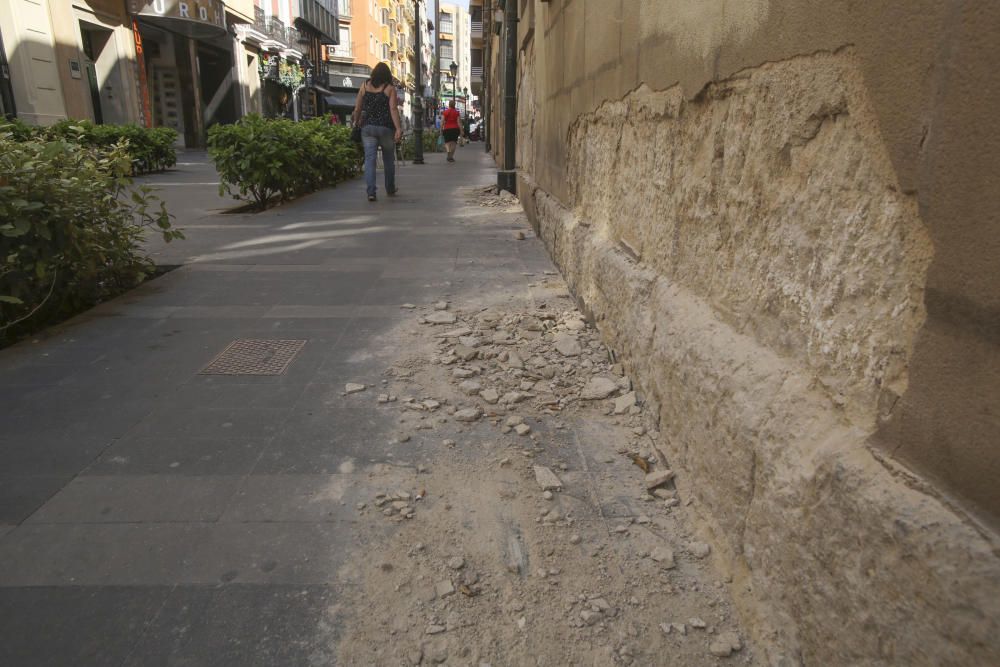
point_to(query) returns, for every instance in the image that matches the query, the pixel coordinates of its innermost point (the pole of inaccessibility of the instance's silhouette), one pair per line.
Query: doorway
(103, 70)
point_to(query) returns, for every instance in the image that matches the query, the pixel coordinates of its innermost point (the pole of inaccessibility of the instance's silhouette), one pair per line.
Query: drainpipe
(507, 177)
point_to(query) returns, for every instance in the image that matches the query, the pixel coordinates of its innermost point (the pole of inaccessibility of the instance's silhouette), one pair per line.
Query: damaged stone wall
(769, 199)
(759, 257)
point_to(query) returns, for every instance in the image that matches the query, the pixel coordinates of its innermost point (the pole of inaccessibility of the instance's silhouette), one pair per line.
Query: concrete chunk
(567, 345)
(658, 478)
(440, 317)
(598, 388)
(624, 403)
(546, 478)
(467, 415)
(664, 556)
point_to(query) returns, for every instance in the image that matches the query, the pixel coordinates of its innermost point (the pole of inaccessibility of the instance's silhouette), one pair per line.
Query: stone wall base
(838, 556)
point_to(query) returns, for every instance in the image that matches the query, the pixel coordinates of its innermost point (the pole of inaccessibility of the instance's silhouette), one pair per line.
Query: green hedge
(430, 143)
(264, 160)
(71, 229)
(149, 149)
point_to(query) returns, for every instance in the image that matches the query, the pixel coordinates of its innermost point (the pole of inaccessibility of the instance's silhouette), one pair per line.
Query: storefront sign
(340, 80)
(195, 18)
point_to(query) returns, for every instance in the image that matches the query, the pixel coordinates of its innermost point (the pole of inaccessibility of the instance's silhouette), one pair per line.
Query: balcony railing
(341, 52)
(259, 20)
(297, 36)
(276, 30)
(477, 29)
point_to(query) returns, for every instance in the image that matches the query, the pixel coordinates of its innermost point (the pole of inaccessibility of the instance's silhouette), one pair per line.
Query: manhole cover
(254, 357)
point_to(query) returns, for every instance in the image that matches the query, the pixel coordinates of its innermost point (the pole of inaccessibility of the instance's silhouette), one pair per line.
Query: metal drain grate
(254, 357)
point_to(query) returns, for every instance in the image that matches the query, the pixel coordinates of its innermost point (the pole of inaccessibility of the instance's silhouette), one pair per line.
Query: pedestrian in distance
(375, 109)
(451, 128)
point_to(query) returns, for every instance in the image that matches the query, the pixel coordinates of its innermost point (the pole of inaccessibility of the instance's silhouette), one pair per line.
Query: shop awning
(340, 99)
(336, 99)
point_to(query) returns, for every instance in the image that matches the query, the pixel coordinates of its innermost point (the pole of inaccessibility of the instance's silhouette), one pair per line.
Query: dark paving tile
(256, 396)
(149, 380)
(14, 373)
(269, 553)
(297, 456)
(179, 456)
(212, 423)
(411, 290)
(56, 455)
(241, 625)
(299, 288)
(84, 417)
(99, 554)
(196, 322)
(39, 351)
(318, 440)
(289, 498)
(6, 528)
(74, 625)
(365, 340)
(139, 498)
(326, 403)
(20, 495)
(92, 329)
(305, 327)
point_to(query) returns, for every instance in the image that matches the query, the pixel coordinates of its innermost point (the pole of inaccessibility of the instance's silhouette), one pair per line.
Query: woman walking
(375, 109)
(450, 129)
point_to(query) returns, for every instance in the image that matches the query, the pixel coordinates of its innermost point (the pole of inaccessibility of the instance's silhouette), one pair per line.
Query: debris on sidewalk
(547, 479)
(354, 388)
(725, 645)
(562, 551)
(440, 317)
(658, 478)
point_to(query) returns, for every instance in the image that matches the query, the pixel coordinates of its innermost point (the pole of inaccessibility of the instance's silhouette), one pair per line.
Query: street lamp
(418, 107)
(454, 79)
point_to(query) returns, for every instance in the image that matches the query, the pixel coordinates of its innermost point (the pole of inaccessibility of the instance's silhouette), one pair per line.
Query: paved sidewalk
(153, 515)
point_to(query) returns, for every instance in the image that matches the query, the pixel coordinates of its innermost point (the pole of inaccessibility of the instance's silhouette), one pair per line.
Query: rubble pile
(572, 581)
(491, 197)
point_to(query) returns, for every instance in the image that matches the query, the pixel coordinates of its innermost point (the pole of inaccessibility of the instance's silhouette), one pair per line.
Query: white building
(454, 29)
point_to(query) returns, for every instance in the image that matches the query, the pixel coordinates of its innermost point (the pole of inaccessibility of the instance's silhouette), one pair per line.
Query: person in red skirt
(451, 128)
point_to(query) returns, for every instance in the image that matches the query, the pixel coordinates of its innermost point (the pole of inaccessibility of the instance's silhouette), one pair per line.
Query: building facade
(374, 31)
(167, 63)
(454, 47)
(69, 59)
(479, 19)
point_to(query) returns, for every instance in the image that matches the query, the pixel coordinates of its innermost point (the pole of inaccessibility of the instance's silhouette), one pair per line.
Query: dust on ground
(542, 528)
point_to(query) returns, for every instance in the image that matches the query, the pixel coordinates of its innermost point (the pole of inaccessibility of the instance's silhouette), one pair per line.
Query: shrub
(430, 143)
(71, 229)
(149, 149)
(263, 159)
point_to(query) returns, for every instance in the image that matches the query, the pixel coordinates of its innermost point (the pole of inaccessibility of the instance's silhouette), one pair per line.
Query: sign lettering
(210, 12)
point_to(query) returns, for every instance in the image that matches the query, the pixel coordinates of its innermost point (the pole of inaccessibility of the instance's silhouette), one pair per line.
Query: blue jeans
(373, 136)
